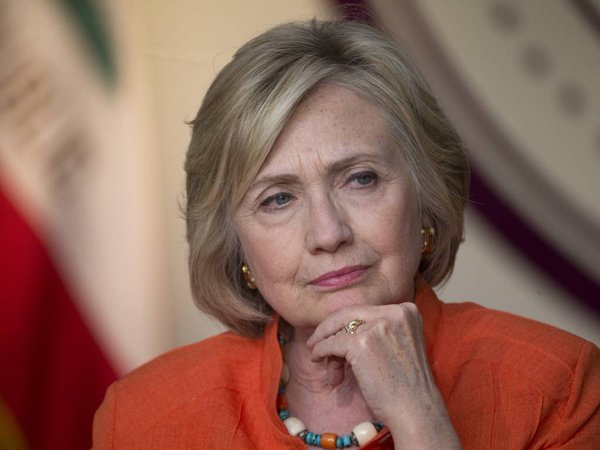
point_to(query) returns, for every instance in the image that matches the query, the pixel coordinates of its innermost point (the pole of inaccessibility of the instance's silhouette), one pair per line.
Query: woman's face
(332, 218)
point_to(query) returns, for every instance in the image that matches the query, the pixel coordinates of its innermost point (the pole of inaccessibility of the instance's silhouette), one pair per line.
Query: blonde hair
(246, 108)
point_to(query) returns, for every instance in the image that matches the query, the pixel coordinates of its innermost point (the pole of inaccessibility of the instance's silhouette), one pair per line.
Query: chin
(344, 300)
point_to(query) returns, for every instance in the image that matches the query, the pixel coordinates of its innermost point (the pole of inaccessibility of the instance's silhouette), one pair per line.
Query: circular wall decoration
(520, 81)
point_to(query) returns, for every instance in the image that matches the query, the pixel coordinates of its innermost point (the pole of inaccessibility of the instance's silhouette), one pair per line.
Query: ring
(351, 326)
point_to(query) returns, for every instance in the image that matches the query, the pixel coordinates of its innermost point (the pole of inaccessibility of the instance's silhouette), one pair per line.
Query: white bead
(294, 426)
(364, 432)
(285, 374)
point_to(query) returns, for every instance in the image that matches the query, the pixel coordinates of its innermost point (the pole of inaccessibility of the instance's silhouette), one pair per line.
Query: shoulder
(222, 361)
(519, 380)
(505, 339)
(183, 388)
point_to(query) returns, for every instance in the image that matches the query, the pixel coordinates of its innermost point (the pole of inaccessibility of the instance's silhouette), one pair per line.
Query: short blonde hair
(246, 108)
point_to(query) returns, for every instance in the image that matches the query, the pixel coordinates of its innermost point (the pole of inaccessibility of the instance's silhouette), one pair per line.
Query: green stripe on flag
(90, 21)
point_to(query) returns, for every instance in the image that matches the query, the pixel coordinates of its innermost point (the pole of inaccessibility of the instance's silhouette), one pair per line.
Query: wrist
(434, 432)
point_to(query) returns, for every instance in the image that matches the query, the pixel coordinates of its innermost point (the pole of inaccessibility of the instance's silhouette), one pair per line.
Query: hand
(388, 359)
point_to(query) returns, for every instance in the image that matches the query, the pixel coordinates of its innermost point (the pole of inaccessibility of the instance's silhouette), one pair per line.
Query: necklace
(360, 435)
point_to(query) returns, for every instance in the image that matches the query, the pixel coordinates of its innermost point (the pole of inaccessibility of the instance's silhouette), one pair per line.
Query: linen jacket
(507, 382)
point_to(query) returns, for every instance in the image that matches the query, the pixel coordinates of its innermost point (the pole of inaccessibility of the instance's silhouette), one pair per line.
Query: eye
(279, 200)
(363, 178)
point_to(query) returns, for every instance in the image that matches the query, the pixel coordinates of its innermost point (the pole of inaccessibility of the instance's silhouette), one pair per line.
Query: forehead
(333, 122)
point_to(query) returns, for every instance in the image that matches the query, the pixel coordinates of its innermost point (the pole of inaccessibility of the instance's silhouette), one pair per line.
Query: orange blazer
(508, 383)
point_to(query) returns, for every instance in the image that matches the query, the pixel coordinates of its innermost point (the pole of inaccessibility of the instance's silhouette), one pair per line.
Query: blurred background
(93, 102)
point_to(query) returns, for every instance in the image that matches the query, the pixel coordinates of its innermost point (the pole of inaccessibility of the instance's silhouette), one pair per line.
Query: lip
(340, 278)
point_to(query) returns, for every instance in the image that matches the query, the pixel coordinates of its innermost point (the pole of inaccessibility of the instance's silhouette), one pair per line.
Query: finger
(335, 323)
(335, 370)
(332, 346)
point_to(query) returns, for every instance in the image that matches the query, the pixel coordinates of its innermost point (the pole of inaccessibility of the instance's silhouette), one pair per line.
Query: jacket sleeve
(579, 425)
(104, 422)
(208, 420)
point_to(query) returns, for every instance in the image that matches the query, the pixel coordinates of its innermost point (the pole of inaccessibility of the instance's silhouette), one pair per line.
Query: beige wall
(183, 45)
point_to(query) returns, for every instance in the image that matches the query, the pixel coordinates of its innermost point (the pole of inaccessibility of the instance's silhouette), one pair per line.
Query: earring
(428, 235)
(248, 276)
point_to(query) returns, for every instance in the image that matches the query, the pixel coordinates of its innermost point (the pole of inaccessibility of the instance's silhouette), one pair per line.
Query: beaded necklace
(360, 435)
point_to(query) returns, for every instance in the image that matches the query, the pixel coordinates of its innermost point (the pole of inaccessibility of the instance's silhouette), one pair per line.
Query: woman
(325, 196)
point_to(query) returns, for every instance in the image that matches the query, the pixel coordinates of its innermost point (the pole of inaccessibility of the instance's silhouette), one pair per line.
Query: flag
(80, 275)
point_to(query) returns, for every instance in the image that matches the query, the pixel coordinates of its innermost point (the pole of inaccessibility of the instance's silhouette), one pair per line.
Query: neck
(310, 375)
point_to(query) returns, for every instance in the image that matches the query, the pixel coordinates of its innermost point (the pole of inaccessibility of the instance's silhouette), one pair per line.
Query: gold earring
(248, 277)
(428, 235)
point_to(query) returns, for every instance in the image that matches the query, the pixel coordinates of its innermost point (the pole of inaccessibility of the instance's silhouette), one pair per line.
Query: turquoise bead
(347, 440)
(308, 438)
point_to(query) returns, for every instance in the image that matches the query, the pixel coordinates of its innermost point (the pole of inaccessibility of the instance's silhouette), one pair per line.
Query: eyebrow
(342, 164)
(270, 180)
(336, 166)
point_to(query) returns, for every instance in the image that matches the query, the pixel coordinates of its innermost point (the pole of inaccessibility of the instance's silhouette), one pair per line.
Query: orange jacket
(508, 383)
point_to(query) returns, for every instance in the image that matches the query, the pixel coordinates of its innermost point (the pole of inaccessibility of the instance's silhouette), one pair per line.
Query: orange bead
(328, 440)
(281, 402)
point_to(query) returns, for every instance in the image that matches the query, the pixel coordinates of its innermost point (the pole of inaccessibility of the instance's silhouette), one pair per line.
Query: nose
(328, 227)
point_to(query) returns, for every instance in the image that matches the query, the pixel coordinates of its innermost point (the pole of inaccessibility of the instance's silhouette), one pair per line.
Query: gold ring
(351, 326)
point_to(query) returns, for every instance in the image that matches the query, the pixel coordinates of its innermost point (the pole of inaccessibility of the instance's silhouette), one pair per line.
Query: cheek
(399, 240)
(395, 226)
(270, 258)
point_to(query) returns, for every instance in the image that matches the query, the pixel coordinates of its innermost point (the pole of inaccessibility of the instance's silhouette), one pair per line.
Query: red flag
(79, 275)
